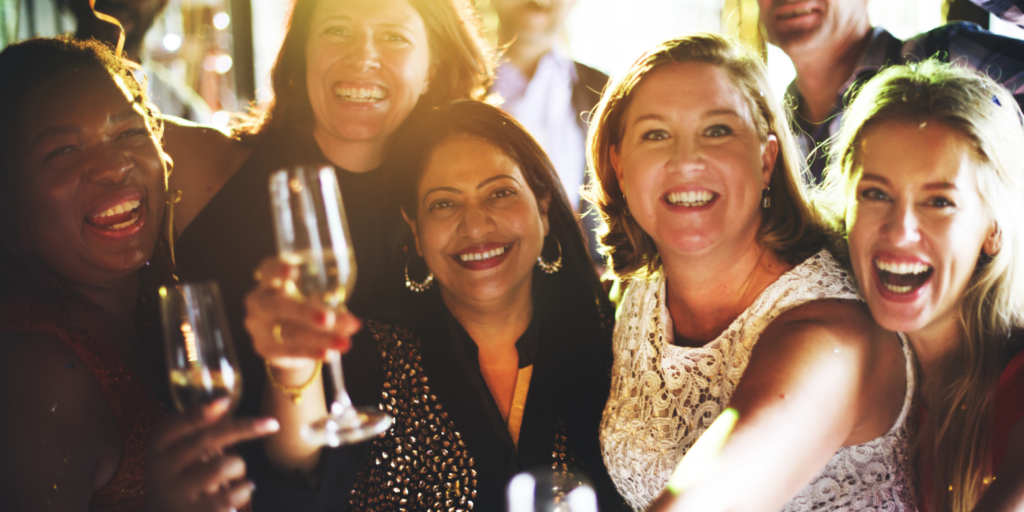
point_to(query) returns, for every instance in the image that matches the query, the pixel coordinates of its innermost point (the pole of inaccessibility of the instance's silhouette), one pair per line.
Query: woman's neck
(351, 155)
(493, 325)
(706, 293)
(933, 345)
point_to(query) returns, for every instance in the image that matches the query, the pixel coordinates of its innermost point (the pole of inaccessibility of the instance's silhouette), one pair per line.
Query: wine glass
(550, 491)
(200, 357)
(312, 234)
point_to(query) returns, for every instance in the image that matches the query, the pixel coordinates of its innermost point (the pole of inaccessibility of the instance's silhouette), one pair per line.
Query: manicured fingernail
(218, 406)
(340, 343)
(268, 425)
(325, 318)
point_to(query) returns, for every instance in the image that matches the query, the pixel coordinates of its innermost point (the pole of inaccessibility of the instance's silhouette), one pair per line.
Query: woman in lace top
(927, 187)
(732, 302)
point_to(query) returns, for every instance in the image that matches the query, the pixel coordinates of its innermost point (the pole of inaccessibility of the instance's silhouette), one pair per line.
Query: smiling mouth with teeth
(117, 217)
(794, 13)
(691, 199)
(902, 277)
(486, 255)
(360, 94)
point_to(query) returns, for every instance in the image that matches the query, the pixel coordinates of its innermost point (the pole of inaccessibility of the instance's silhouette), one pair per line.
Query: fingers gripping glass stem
(312, 234)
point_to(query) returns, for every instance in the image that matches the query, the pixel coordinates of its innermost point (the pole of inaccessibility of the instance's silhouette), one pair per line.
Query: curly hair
(986, 116)
(790, 227)
(24, 66)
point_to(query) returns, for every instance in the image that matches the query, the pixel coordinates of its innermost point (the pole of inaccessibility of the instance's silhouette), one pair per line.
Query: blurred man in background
(834, 46)
(547, 91)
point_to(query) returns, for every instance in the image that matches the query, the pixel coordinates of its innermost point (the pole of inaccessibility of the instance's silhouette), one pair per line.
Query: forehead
(688, 88)
(464, 162)
(391, 12)
(909, 154)
(84, 96)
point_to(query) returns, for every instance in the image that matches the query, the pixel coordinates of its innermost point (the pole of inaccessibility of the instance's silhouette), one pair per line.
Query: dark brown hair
(463, 65)
(790, 228)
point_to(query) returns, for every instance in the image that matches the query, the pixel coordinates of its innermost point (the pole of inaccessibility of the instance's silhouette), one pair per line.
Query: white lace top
(664, 397)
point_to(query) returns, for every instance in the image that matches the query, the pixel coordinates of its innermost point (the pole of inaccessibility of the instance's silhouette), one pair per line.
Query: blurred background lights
(172, 42)
(221, 20)
(221, 118)
(222, 64)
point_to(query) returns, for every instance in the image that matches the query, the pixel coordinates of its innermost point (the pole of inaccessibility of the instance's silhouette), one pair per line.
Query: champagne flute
(312, 234)
(200, 358)
(550, 491)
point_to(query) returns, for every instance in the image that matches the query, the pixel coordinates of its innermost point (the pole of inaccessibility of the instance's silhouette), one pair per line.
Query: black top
(449, 438)
(234, 232)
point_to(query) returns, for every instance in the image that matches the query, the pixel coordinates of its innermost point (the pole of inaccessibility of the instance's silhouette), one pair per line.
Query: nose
(108, 164)
(902, 227)
(685, 156)
(476, 223)
(364, 55)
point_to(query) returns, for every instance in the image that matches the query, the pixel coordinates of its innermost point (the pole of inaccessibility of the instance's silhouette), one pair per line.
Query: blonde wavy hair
(790, 227)
(987, 117)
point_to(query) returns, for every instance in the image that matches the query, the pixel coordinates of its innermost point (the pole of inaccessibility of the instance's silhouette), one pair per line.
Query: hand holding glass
(312, 235)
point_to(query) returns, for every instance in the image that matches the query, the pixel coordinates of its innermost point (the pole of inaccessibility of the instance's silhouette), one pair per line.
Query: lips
(902, 277)
(483, 256)
(118, 215)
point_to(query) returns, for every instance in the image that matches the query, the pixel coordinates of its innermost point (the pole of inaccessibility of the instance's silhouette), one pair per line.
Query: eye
(940, 202)
(505, 192)
(63, 150)
(874, 194)
(395, 37)
(336, 31)
(718, 130)
(440, 204)
(133, 132)
(655, 135)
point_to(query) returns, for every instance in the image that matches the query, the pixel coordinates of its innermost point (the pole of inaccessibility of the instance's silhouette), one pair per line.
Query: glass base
(353, 425)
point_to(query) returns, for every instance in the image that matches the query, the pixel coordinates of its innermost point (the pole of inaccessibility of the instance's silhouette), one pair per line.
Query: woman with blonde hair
(732, 302)
(927, 188)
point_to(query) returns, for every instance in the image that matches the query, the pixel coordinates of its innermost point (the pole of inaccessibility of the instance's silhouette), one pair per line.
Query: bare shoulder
(60, 432)
(841, 322)
(205, 158)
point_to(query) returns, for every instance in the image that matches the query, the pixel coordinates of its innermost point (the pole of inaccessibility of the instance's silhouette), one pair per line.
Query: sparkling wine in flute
(201, 361)
(193, 387)
(320, 278)
(312, 234)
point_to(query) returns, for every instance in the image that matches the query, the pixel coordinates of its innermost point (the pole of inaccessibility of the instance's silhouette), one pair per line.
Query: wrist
(293, 382)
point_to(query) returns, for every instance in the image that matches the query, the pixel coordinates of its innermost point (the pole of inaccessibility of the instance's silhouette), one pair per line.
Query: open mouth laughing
(690, 199)
(902, 277)
(360, 94)
(794, 13)
(483, 256)
(119, 216)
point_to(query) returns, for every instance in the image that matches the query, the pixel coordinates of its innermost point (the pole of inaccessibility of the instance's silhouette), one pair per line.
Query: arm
(1009, 10)
(822, 376)
(59, 440)
(204, 160)
(307, 332)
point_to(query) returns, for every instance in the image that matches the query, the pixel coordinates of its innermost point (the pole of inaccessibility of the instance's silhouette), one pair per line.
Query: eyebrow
(482, 184)
(119, 117)
(937, 185)
(710, 113)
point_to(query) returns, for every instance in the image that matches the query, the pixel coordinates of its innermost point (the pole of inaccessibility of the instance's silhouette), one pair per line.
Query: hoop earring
(553, 266)
(766, 200)
(413, 285)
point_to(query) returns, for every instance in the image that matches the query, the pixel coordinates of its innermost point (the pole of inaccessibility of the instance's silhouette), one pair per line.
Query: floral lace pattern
(664, 397)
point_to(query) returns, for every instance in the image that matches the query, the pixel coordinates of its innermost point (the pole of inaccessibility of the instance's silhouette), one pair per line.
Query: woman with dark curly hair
(500, 361)
(82, 250)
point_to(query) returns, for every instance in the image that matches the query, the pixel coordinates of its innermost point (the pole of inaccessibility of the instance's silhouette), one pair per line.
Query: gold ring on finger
(276, 332)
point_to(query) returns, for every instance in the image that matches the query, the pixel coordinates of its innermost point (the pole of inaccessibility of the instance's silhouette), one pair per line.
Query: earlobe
(415, 233)
(768, 156)
(994, 242)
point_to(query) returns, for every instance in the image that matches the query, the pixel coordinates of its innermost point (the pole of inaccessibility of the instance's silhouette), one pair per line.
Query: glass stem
(342, 403)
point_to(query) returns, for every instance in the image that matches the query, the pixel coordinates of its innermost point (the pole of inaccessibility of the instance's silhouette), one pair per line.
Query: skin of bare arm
(58, 437)
(204, 160)
(821, 377)
(1006, 494)
(309, 331)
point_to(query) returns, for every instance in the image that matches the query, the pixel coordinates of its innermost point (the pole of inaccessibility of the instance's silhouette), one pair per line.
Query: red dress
(135, 406)
(1009, 407)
